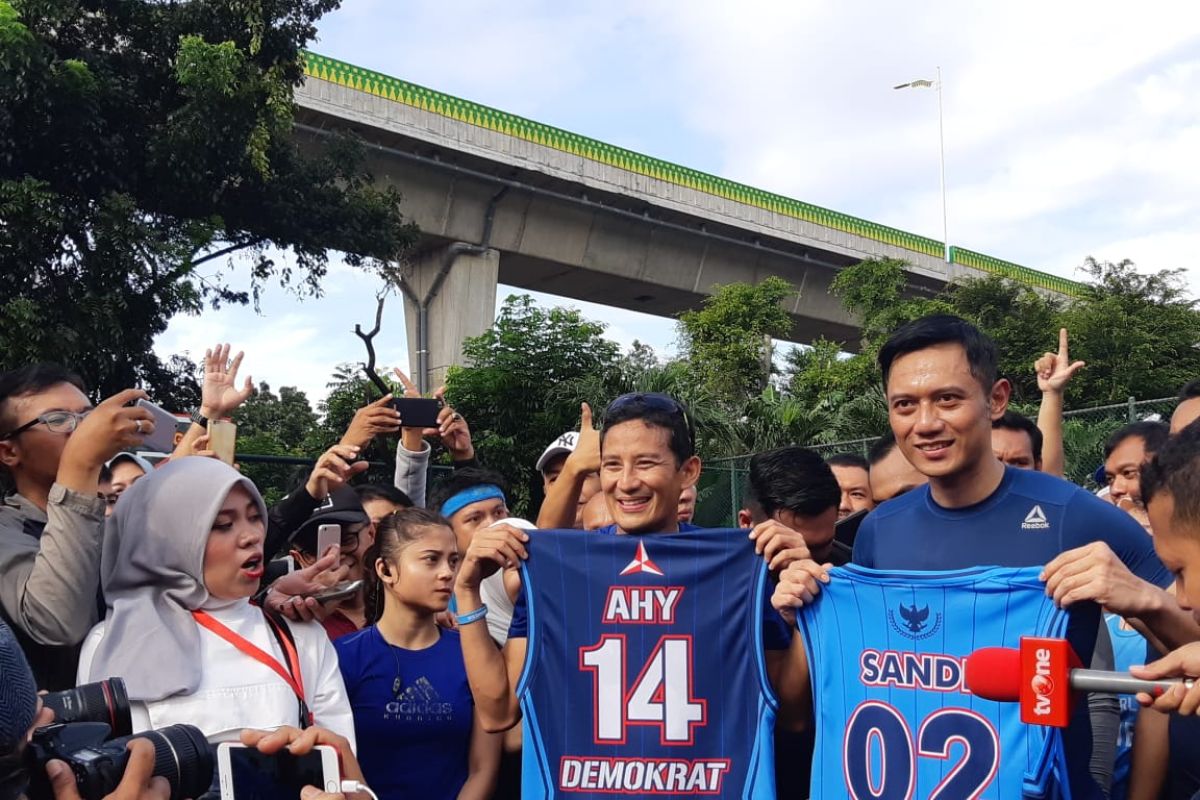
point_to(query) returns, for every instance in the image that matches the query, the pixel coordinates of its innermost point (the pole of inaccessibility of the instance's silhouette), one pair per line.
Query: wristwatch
(199, 419)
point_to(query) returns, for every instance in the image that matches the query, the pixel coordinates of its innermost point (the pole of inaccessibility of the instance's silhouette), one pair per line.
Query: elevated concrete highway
(500, 198)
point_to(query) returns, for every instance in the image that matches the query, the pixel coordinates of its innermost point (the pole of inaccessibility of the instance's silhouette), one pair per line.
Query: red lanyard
(291, 676)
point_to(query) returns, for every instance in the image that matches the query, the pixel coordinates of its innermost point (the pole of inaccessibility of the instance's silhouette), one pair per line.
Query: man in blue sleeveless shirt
(647, 461)
(942, 393)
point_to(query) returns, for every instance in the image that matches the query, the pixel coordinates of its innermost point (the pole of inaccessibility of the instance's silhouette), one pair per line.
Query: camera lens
(182, 756)
(105, 702)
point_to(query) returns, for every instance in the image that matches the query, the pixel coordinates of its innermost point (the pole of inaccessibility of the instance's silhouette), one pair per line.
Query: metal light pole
(925, 83)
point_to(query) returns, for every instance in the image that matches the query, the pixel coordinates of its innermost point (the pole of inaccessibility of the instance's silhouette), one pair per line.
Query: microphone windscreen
(994, 673)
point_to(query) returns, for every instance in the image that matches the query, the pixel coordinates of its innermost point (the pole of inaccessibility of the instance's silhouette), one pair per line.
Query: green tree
(272, 424)
(288, 416)
(144, 145)
(876, 290)
(824, 373)
(728, 342)
(1139, 334)
(1023, 323)
(522, 386)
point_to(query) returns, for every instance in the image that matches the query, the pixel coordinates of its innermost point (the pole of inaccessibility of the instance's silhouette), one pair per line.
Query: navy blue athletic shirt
(776, 633)
(644, 673)
(414, 736)
(1026, 522)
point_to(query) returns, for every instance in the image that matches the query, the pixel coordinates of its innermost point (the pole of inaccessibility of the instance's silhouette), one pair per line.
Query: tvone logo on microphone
(1041, 683)
(1045, 681)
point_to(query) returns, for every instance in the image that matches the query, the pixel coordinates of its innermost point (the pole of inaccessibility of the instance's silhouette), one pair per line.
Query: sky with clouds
(1072, 128)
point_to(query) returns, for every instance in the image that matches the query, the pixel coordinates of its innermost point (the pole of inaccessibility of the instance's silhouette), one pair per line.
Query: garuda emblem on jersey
(914, 622)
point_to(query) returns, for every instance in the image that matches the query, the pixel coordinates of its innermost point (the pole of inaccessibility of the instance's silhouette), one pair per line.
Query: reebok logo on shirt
(1035, 520)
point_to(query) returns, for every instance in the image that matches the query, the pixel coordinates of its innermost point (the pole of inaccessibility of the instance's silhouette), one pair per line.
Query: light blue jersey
(1129, 648)
(894, 719)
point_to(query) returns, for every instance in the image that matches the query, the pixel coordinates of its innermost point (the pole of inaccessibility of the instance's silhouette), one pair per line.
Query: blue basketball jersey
(644, 671)
(1129, 648)
(893, 716)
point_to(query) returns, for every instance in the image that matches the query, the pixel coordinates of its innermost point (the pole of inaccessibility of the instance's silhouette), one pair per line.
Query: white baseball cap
(563, 444)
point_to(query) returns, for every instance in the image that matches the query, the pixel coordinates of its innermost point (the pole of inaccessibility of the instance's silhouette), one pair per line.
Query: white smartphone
(247, 774)
(327, 537)
(163, 438)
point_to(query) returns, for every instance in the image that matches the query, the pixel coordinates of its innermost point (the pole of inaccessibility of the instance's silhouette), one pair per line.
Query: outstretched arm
(1054, 372)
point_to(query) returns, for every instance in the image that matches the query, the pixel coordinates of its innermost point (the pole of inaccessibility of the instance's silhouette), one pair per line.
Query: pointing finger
(405, 381)
(1062, 343)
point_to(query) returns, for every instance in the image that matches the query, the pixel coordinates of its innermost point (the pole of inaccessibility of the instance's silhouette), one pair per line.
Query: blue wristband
(472, 616)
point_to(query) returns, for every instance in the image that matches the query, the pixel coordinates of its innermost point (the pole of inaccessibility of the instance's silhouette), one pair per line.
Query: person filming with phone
(342, 523)
(53, 444)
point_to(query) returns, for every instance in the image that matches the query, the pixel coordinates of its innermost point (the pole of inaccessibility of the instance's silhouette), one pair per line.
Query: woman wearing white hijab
(183, 554)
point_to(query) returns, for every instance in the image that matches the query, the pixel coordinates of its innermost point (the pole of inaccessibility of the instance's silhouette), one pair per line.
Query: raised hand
(1055, 370)
(219, 394)
(586, 455)
(370, 421)
(336, 465)
(410, 388)
(109, 428)
(491, 549)
(453, 430)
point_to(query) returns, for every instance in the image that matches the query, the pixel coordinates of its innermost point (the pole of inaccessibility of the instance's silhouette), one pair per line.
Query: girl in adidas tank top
(413, 713)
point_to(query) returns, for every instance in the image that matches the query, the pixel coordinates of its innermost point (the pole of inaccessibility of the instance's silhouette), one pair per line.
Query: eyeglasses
(652, 400)
(349, 541)
(55, 422)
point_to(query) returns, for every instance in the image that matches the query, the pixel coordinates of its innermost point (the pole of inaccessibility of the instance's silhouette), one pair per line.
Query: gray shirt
(50, 576)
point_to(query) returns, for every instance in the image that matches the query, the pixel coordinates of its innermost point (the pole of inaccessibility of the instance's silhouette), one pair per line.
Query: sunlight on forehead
(942, 366)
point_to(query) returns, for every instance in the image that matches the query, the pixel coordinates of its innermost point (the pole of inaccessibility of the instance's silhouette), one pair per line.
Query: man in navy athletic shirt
(943, 394)
(647, 460)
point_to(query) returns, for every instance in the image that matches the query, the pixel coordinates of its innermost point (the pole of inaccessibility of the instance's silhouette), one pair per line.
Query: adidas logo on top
(1035, 520)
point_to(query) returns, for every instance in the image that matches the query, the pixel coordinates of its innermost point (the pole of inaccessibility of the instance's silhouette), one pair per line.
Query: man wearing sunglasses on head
(647, 461)
(53, 444)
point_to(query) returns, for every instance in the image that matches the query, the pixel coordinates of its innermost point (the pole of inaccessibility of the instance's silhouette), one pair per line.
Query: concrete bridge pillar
(450, 295)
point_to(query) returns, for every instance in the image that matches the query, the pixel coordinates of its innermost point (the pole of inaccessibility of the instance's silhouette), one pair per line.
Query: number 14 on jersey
(659, 695)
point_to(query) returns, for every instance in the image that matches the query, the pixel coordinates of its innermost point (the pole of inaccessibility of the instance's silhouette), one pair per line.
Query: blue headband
(484, 491)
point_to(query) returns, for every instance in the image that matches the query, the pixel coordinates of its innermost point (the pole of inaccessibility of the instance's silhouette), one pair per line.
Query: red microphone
(1042, 677)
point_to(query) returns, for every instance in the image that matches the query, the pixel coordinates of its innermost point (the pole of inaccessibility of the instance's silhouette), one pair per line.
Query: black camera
(105, 702)
(181, 755)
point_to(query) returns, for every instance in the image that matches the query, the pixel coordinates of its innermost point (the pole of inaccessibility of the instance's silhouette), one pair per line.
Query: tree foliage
(524, 380)
(728, 341)
(1139, 333)
(143, 145)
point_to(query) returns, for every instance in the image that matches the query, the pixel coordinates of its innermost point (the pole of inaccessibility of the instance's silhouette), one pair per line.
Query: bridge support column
(453, 297)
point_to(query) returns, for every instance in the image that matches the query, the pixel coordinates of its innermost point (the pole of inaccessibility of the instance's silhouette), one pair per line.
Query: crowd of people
(403, 644)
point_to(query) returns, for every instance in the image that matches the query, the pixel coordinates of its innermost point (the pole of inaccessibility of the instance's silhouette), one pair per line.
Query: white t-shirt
(236, 691)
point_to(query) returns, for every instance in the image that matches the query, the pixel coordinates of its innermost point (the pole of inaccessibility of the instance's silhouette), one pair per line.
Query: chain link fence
(723, 482)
